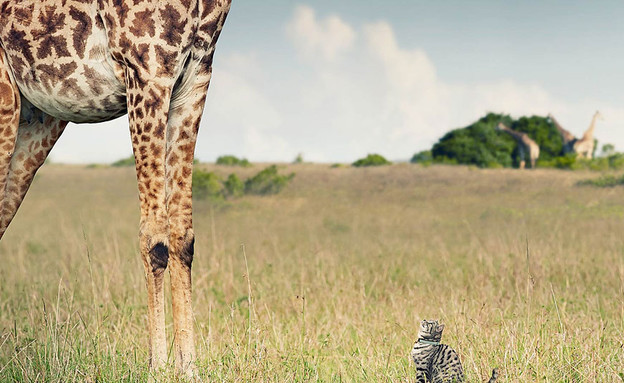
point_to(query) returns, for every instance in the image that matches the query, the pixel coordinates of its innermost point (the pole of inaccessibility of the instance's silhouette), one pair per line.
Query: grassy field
(328, 280)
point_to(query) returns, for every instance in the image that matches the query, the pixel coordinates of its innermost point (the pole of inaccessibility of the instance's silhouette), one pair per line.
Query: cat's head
(430, 330)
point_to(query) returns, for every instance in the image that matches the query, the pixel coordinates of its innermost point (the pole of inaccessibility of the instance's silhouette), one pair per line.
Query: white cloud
(327, 38)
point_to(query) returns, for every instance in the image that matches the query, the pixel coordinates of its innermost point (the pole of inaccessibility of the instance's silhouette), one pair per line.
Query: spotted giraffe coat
(95, 60)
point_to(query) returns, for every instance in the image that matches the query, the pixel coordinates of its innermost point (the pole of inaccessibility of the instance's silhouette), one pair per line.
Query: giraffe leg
(148, 105)
(184, 119)
(33, 144)
(9, 121)
(522, 155)
(24, 146)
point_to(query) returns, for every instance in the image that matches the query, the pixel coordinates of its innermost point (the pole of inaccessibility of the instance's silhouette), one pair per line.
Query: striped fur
(435, 362)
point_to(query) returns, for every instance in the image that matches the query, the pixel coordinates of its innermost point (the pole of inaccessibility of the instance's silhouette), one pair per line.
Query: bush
(372, 160)
(233, 186)
(207, 185)
(233, 161)
(604, 181)
(129, 161)
(424, 157)
(267, 181)
(614, 161)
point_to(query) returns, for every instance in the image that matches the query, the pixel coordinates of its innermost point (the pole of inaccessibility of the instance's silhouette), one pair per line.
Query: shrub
(207, 185)
(233, 186)
(267, 181)
(424, 157)
(616, 161)
(612, 162)
(372, 160)
(604, 181)
(129, 161)
(565, 162)
(233, 161)
(298, 159)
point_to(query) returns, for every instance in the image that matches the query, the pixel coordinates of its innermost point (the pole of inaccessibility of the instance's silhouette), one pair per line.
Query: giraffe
(525, 145)
(584, 147)
(95, 60)
(568, 138)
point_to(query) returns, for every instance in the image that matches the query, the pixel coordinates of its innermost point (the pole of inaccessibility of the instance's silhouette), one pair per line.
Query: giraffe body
(584, 147)
(525, 145)
(568, 138)
(73, 82)
(95, 60)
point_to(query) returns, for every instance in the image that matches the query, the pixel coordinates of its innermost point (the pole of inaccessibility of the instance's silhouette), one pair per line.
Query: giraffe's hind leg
(24, 145)
(34, 141)
(9, 121)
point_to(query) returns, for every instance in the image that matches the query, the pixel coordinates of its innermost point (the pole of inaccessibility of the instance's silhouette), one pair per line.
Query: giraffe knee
(187, 253)
(159, 257)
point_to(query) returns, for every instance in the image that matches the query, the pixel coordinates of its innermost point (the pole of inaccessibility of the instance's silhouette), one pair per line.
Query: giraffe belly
(95, 96)
(58, 54)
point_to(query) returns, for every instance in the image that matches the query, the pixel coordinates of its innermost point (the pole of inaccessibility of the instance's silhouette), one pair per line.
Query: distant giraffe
(584, 147)
(525, 145)
(95, 60)
(568, 138)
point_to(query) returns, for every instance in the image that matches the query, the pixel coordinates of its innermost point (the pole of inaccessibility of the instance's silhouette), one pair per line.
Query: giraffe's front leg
(184, 119)
(148, 105)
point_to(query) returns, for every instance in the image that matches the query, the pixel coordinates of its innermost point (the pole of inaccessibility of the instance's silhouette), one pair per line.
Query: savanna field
(328, 280)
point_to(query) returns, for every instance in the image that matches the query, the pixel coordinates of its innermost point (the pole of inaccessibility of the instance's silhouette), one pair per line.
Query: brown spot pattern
(81, 30)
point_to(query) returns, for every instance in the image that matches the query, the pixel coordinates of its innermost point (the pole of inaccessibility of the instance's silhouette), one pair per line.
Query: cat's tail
(494, 376)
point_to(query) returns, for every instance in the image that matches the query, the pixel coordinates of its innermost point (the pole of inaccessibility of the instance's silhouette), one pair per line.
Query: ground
(328, 280)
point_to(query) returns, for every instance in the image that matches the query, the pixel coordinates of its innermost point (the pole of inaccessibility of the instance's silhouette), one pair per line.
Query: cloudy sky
(335, 80)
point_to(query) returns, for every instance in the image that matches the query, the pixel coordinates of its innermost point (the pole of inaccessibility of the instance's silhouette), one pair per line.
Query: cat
(435, 362)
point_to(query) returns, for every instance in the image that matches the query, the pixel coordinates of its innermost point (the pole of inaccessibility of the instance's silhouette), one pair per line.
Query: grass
(336, 272)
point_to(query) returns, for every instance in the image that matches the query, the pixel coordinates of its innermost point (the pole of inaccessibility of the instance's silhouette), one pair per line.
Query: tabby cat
(435, 362)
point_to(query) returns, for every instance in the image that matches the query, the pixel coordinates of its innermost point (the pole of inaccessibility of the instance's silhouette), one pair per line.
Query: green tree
(544, 133)
(608, 149)
(482, 145)
(477, 144)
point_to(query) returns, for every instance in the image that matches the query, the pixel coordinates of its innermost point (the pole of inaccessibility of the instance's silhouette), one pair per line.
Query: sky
(336, 80)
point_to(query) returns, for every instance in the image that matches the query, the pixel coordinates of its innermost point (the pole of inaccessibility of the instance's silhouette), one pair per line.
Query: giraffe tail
(494, 376)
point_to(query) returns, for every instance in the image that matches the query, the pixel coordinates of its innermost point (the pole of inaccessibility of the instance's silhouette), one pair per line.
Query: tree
(482, 145)
(477, 144)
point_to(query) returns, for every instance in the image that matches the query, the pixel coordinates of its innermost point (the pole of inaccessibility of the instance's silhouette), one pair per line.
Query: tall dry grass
(327, 281)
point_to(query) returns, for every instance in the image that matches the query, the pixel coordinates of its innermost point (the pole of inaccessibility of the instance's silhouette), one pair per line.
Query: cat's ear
(441, 327)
